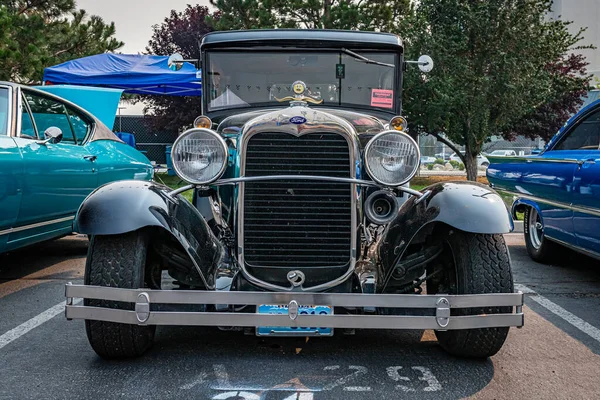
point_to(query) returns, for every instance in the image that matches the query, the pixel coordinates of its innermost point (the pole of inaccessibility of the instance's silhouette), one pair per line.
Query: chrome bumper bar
(442, 304)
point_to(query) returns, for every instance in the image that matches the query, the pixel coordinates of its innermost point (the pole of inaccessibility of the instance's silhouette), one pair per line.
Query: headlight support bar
(235, 181)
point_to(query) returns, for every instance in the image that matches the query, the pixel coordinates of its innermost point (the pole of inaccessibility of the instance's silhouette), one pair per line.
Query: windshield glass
(3, 111)
(260, 78)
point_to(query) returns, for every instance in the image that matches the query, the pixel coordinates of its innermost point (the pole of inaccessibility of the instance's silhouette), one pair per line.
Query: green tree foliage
(495, 66)
(365, 15)
(35, 34)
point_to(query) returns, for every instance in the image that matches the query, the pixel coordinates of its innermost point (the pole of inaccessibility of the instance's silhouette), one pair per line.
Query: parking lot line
(557, 310)
(34, 322)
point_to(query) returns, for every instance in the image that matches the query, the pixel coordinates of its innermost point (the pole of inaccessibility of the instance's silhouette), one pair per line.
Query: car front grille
(292, 224)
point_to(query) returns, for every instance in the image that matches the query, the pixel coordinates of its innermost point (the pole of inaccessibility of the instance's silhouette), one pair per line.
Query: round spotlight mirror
(425, 63)
(175, 62)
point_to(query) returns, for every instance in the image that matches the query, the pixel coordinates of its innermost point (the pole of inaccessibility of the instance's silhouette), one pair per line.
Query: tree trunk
(470, 164)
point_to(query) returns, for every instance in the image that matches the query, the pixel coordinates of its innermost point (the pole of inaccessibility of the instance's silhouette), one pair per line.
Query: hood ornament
(299, 98)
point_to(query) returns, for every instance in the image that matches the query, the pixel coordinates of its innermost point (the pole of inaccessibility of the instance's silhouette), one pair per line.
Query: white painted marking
(237, 396)
(221, 374)
(394, 374)
(359, 370)
(33, 323)
(201, 379)
(524, 289)
(432, 382)
(358, 388)
(331, 367)
(557, 310)
(300, 396)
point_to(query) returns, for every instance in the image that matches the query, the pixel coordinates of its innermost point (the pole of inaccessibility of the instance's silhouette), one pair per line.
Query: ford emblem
(297, 120)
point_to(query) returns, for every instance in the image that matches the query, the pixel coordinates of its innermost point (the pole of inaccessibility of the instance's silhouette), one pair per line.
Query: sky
(134, 18)
(133, 22)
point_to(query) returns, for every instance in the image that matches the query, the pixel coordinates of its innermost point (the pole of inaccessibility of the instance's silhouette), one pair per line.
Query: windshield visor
(264, 78)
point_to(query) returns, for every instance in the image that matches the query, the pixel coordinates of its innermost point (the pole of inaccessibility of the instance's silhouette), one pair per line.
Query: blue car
(52, 155)
(558, 190)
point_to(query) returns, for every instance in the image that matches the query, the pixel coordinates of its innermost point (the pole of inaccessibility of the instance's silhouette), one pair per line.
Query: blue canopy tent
(134, 73)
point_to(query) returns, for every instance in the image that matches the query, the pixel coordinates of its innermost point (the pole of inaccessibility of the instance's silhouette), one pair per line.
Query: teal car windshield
(3, 111)
(333, 78)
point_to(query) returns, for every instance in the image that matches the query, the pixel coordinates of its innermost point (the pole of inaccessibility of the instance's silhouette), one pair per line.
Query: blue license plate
(293, 331)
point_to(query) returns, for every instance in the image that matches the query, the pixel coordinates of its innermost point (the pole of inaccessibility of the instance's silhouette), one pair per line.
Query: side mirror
(53, 135)
(425, 63)
(175, 62)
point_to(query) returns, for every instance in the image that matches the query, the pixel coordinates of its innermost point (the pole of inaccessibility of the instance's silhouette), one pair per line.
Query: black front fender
(468, 206)
(126, 206)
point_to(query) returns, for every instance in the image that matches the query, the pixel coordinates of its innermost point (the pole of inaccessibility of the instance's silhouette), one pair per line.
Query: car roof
(302, 38)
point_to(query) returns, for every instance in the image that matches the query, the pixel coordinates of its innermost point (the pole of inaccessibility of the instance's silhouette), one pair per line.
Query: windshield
(260, 78)
(3, 111)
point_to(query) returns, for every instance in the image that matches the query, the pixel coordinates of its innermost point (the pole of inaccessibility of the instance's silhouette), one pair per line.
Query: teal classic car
(53, 154)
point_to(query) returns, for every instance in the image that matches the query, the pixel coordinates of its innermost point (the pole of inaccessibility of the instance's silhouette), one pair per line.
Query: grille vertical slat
(297, 224)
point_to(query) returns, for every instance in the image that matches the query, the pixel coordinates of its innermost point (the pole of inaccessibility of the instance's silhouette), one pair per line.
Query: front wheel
(118, 261)
(473, 264)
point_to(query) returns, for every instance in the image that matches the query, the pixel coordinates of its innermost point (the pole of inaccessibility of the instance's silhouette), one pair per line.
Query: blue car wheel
(539, 248)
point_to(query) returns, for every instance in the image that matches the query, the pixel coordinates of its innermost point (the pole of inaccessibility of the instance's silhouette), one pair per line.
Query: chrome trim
(219, 139)
(144, 298)
(585, 210)
(316, 121)
(94, 121)
(11, 128)
(541, 159)
(181, 190)
(376, 137)
(36, 225)
(235, 181)
(568, 206)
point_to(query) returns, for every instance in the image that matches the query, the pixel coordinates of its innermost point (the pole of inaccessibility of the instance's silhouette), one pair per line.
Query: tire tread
(117, 261)
(486, 269)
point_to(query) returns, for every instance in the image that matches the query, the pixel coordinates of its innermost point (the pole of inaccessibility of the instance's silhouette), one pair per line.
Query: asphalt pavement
(42, 355)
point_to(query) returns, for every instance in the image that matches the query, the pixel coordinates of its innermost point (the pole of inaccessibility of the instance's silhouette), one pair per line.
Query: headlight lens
(392, 158)
(199, 156)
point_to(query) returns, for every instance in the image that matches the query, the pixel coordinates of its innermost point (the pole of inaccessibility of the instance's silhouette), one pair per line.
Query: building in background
(583, 13)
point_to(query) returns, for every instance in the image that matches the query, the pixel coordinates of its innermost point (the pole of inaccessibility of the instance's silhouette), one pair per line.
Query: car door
(582, 143)
(58, 176)
(547, 180)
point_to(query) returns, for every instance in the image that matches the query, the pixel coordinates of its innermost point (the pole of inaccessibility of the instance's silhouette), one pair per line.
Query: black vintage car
(302, 221)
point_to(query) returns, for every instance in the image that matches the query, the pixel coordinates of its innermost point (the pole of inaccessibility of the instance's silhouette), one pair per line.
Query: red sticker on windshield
(382, 98)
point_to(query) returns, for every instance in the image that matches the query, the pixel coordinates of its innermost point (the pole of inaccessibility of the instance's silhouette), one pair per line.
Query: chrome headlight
(199, 156)
(392, 158)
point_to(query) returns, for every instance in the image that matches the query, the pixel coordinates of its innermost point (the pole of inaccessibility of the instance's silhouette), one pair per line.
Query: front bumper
(442, 304)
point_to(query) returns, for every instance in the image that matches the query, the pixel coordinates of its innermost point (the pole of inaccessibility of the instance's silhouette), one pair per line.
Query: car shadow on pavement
(371, 364)
(22, 262)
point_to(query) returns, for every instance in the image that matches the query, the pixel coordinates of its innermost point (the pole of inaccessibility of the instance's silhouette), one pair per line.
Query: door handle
(90, 158)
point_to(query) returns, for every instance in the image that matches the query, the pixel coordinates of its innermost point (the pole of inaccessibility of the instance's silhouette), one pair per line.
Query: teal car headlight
(392, 158)
(199, 156)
